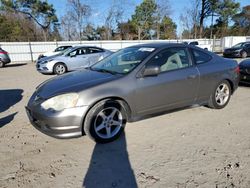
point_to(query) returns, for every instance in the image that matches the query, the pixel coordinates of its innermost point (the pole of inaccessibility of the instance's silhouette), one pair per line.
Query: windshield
(123, 61)
(68, 50)
(238, 45)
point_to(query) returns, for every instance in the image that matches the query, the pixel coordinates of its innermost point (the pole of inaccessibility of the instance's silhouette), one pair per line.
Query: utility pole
(212, 25)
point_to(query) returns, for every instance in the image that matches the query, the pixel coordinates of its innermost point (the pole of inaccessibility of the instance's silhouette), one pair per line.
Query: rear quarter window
(201, 57)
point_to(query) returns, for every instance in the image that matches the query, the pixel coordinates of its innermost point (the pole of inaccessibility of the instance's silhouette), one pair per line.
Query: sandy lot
(196, 147)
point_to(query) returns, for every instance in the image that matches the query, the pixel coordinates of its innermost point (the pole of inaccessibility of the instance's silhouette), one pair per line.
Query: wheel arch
(231, 85)
(60, 62)
(120, 100)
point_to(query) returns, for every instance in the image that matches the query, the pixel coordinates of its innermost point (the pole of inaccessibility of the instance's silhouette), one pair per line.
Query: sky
(100, 7)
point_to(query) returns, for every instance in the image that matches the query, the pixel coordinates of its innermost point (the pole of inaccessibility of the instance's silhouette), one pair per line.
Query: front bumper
(64, 124)
(6, 60)
(43, 68)
(231, 54)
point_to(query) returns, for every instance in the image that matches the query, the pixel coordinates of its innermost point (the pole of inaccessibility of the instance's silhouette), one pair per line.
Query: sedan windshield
(123, 61)
(67, 51)
(238, 45)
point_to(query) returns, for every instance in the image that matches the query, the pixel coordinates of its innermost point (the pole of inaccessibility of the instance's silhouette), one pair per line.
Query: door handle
(191, 76)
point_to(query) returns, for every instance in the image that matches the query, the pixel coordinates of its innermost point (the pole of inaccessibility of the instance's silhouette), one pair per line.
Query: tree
(144, 19)
(39, 11)
(190, 19)
(205, 11)
(242, 22)
(113, 18)
(127, 30)
(79, 13)
(16, 27)
(167, 28)
(163, 10)
(226, 9)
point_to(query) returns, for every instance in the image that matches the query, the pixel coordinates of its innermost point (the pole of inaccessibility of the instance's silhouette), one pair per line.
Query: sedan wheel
(221, 96)
(105, 121)
(60, 68)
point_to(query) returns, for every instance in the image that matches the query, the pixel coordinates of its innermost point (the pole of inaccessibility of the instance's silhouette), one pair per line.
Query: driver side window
(171, 59)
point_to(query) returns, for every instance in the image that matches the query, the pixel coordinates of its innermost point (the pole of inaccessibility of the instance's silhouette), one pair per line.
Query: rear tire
(220, 96)
(244, 54)
(59, 68)
(105, 121)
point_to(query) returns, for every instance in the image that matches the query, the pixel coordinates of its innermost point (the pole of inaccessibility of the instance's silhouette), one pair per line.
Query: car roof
(82, 46)
(65, 46)
(161, 45)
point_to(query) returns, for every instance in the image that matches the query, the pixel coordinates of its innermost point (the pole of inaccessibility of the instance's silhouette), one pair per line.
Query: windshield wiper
(104, 71)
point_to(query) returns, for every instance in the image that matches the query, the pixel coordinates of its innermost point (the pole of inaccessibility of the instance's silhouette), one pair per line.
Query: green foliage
(226, 9)
(42, 12)
(39, 11)
(243, 18)
(144, 17)
(16, 28)
(167, 28)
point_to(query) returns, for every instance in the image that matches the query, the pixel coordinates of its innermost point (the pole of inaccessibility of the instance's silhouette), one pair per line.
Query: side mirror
(151, 70)
(72, 55)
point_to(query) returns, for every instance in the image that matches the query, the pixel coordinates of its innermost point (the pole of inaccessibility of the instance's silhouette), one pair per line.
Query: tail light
(237, 70)
(3, 52)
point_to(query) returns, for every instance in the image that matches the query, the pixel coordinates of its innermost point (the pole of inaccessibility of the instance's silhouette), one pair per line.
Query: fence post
(31, 54)
(213, 47)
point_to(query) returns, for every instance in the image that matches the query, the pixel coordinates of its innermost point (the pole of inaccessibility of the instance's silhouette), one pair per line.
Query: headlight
(44, 62)
(61, 102)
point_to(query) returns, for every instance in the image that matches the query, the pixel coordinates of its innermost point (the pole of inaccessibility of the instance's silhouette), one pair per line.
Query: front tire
(220, 96)
(59, 69)
(105, 121)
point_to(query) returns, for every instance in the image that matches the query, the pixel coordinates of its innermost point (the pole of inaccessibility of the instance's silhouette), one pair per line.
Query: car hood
(48, 58)
(245, 63)
(50, 53)
(60, 58)
(73, 82)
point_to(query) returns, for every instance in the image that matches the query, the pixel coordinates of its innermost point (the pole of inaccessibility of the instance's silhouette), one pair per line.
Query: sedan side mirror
(72, 55)
(151, 70)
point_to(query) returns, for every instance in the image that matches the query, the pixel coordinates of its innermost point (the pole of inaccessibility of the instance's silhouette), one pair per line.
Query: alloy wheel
(60, 69)
(222, 94)
(108, 122)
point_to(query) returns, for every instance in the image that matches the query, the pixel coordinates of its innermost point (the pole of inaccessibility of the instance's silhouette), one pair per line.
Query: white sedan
(73, 59)
(58, 50)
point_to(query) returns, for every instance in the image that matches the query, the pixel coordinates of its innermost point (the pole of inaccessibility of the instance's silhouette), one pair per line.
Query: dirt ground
(196, 147)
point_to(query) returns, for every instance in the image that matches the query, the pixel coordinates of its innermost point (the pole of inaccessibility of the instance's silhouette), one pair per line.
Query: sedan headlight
(44, 62)
(61, 102)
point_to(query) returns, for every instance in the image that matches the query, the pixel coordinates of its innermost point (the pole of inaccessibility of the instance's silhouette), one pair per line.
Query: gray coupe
(130, 84)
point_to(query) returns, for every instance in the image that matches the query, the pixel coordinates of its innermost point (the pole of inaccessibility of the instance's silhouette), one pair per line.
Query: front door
(78, 58)
(176, 85)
